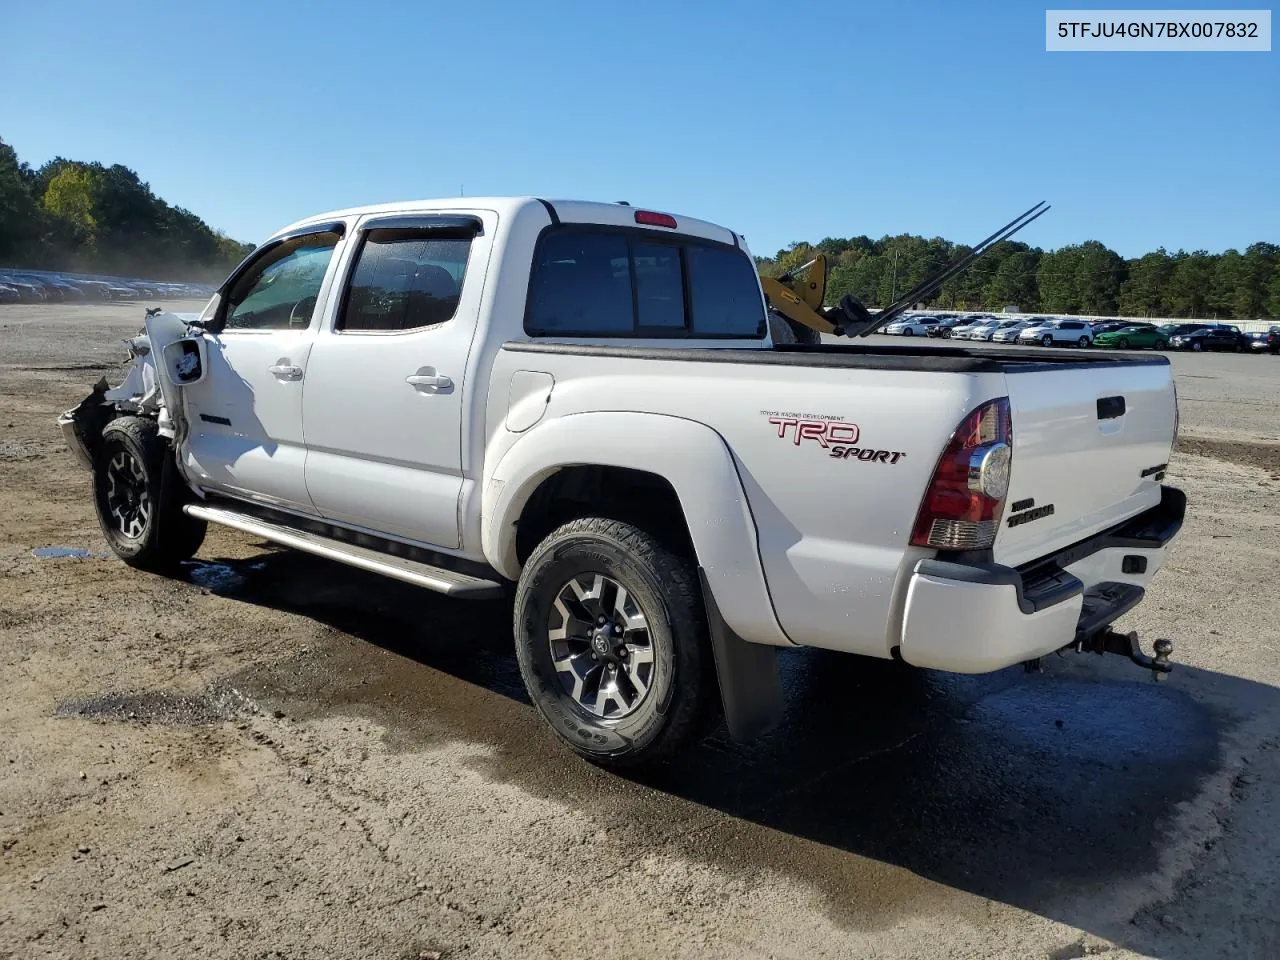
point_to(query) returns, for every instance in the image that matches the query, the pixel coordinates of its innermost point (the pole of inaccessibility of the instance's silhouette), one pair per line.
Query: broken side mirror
(184, 361)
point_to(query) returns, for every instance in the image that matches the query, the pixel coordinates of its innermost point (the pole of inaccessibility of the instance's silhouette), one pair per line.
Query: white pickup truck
(581, 403)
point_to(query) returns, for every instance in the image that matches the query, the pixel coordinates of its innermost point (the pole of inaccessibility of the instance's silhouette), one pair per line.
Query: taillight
(965, 499)
(651, 219)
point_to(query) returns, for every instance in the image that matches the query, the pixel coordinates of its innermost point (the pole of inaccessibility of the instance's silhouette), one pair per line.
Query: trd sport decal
(838, 437)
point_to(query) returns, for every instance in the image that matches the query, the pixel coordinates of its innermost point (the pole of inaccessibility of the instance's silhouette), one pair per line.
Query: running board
(448, 582)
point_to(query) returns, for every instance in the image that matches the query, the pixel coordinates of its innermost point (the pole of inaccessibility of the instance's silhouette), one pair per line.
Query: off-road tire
(664, 585)
(782, 330)
(168, 535)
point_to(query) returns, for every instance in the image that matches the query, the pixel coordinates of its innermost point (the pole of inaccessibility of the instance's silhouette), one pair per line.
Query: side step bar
(448, 582)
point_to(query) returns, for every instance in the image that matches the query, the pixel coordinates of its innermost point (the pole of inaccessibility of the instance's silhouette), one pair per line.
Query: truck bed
(835, 446)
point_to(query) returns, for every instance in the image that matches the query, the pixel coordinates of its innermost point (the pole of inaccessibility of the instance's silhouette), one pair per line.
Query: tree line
(1086, 278)
(90, 218)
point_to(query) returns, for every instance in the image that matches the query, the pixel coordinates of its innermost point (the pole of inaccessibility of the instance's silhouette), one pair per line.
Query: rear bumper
(977, 618)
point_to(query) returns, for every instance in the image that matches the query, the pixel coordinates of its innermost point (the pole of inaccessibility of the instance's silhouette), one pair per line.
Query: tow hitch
(1128, 645)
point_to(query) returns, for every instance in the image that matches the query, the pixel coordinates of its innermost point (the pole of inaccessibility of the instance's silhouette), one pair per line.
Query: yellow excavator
(796, 313)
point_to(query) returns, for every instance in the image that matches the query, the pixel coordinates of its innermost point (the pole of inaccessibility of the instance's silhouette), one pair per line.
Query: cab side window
(279, 290)
(404, 279)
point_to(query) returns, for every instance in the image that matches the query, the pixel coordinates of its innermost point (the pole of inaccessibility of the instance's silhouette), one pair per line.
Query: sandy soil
(273, 756)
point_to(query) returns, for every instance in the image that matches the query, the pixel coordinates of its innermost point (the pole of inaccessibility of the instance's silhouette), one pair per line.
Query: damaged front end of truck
(145, 391)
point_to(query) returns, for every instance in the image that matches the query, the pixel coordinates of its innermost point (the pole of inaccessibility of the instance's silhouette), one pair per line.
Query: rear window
(611, 283)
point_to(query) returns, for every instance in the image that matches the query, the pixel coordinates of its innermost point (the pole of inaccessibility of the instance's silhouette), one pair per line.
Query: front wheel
(611, 641)
(139, 512)
(908, 332)
(1123, 343)
(1195, 345)
(1162, 345)
(1046, 340)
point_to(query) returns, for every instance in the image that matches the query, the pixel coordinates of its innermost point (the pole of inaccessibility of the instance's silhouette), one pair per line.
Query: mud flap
(747, 673)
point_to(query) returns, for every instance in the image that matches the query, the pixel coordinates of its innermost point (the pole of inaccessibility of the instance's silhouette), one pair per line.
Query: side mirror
(184, 361)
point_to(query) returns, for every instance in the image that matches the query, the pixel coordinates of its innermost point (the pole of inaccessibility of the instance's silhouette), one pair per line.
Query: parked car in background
(1009, 331)
(1133, 335)
(27, 292)
(944, 326)
(912, 326)
(990, 332)
(1268, 339)
(9, 294)
(1061, 332)
(1211, 337)
(961, 330)
(982, 330)
(1107, 326)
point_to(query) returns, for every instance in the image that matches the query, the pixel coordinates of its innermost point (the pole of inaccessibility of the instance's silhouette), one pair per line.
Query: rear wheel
(1083, 342)
(139, 510)
(1162, 345)
(611, 641)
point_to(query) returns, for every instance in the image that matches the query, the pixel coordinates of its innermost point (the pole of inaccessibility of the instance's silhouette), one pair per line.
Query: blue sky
(785, 122)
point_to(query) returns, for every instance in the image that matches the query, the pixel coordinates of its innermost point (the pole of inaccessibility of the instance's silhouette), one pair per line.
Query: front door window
(280, 289)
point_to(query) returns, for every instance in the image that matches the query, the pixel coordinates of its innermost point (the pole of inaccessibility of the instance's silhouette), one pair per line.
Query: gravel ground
(273, 756)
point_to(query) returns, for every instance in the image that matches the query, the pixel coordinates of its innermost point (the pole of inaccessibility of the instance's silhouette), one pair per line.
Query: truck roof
(568, 211)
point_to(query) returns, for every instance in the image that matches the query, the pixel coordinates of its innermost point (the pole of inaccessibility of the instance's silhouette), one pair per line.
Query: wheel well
(637, 496)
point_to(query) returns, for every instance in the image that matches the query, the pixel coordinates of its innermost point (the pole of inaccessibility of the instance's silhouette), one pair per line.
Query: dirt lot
(278, 757)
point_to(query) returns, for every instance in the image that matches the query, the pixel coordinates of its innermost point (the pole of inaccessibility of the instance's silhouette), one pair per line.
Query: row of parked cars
(18, 286)
(1120, 334)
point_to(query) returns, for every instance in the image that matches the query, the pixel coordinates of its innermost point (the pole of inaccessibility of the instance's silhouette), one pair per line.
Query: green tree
(1188, 294)
(1260, 262)
(21, 220)
(1273, 293)
(1015, 282)
(1099, 272)
(71, 197)
(1142, 294)
(1056, 280)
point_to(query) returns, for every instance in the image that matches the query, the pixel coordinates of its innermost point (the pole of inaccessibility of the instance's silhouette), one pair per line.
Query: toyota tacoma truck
(580, 406)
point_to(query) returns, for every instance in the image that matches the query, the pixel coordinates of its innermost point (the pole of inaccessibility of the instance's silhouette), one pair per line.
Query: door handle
(284, 370)
(429, 381)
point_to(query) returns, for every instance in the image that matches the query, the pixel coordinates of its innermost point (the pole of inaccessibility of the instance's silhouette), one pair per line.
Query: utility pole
(893, 295)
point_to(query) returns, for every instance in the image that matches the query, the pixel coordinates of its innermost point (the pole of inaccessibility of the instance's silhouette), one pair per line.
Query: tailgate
(1088, 440)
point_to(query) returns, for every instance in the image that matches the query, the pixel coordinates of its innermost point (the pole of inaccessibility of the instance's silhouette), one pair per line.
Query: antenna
(932, 285)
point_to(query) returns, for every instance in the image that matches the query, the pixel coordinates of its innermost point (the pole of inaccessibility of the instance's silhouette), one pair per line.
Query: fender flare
(691, 456)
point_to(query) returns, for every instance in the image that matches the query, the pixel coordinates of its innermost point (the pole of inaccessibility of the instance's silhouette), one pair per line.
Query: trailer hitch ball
(1127, 644)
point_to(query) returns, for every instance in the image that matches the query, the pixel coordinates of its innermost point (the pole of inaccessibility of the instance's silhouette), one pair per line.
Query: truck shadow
(888, 790)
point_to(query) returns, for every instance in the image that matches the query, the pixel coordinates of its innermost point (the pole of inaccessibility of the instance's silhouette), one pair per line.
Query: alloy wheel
(600, 646)
(128, 501)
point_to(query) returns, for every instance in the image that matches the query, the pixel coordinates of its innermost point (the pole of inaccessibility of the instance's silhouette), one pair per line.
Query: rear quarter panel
(833, 463)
